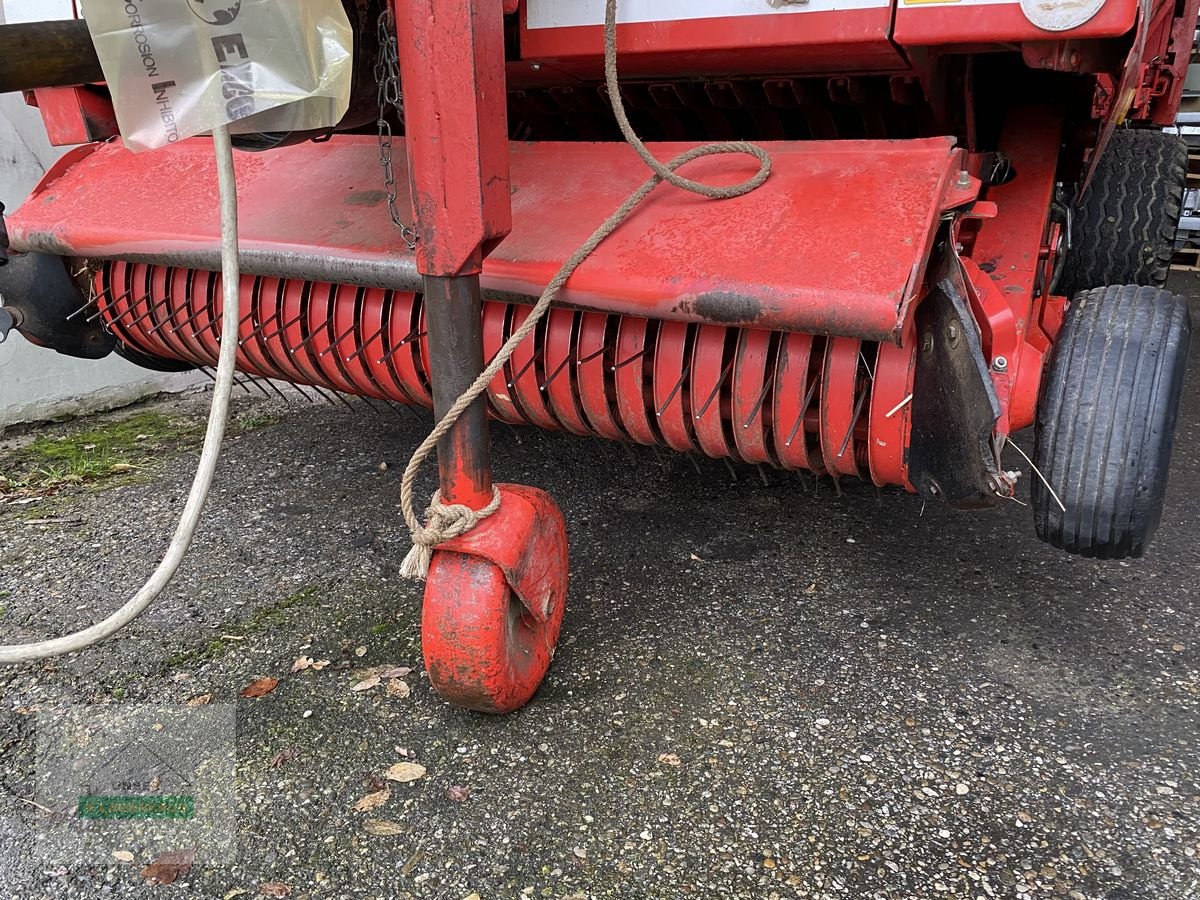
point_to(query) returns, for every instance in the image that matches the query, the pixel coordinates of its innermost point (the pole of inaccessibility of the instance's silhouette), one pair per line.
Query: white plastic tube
(217, 417)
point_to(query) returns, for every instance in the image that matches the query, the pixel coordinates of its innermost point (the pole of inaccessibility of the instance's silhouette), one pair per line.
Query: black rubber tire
(1106, 420)
(1123, 229)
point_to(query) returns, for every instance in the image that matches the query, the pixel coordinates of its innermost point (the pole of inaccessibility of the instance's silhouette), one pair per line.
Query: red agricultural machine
(959, 220)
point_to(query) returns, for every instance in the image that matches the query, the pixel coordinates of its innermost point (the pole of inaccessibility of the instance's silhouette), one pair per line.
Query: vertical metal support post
(456, 136)
(454, 320)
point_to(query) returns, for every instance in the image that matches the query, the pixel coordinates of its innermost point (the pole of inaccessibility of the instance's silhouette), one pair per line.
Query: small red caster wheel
(494, 602)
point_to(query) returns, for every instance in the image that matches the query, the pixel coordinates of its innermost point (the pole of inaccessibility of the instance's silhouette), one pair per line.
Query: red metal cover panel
(834, 243)
(978, 22)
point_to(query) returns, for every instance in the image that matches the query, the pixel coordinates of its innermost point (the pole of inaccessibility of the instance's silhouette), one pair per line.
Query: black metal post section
(47, 54)
(453, 318)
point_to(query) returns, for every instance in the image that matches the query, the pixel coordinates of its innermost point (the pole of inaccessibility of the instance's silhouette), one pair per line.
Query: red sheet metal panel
(834, 243)
(979, 22)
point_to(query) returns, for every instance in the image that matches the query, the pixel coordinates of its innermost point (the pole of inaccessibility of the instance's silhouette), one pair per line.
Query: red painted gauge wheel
(483, 649)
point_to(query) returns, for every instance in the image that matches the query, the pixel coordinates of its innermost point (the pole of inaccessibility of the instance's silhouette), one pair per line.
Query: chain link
(387, 78)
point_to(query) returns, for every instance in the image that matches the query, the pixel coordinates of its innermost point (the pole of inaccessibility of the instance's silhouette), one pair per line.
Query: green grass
(88, 456)
(262, 618)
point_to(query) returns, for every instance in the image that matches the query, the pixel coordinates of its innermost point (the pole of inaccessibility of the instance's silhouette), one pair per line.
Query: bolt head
(1000, 364)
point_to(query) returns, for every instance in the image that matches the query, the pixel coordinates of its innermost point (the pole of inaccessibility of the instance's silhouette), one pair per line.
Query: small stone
(961, 789)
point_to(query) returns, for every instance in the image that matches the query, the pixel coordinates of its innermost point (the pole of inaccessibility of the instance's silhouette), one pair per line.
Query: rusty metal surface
(494, 604)
(808, 252)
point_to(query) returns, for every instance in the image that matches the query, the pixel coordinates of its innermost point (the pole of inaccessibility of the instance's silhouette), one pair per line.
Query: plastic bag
(182, 68)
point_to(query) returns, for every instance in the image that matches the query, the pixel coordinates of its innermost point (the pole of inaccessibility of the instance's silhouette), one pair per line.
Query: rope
(446, 522)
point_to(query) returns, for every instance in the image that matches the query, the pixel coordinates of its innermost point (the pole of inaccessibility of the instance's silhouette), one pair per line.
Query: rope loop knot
(444, 522)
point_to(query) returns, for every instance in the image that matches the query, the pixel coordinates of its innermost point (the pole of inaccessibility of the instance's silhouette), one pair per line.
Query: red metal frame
(765, 259)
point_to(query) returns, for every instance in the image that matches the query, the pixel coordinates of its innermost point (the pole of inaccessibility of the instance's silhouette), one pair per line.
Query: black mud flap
(954, 405)
(38, 288)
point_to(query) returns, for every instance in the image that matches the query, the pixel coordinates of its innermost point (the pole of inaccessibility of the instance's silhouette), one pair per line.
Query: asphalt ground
(762, 690)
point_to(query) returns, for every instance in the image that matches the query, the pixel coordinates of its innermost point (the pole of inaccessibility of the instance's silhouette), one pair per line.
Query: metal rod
(717, 389)
(590, 356)
(812, 389)
(626, 362)
(522, 370)
(862, 398)
(554, 374)
(339, 339)
(762, 398)
(365, 344)
(675, 390)
(413, 335)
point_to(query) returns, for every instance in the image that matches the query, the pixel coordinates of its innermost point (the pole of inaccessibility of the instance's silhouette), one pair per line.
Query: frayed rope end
(416, 564)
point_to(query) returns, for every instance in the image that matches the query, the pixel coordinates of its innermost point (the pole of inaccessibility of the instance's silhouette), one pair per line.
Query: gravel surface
(760, 692)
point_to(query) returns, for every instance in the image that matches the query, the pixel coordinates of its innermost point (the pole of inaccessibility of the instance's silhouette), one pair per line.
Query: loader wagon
(962, 229)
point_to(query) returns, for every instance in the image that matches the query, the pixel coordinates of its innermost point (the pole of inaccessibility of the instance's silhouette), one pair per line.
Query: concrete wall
(37, 384)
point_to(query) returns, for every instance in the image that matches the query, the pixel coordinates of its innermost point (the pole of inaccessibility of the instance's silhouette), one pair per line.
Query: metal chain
(387, 77)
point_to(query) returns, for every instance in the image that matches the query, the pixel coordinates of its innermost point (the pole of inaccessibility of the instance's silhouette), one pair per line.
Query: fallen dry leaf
(275, 889)
(301, 663)
(285, 755)
(457, 793)
(669, 759)
(169, 866)
(472, 896)
(383, 828)
(319, 665)
(811, 589)
(373, 800)
(360, 651)
(201, 700)
(695, 557)
(396, 672)
(234, 892)
(405, 772)
(366, 684)
(260, 687)
(123, 855)
(580, 853)
(398, 688)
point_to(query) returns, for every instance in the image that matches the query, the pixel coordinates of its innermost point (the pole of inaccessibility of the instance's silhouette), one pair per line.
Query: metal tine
(590, 356)
(866, 365)
(762, 398)
(342, 397)
(716, 390)
(98, 313)
(629, 452)
(282, 396)
(762, 475)
(554, 374)
(363, 349)
(415, 334)
(316, 331)
(862, 398)
(626, 362)
(88, 305)
(188, 320)
(687, 370)
(300, 391)
(522, 370)
(812, 389)
(216, 320)
(369, 404)
(213, 378)
(338, 340)
(281, 329)
(695, 465)
(149, 312)
(661, 462)
(729, 466)
(254, 381)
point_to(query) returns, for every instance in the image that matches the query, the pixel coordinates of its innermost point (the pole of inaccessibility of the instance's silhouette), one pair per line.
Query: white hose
(218, 414)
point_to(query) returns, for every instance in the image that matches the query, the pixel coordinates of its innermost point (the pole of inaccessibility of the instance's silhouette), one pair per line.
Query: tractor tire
(1123, 229)
(1106, 420)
